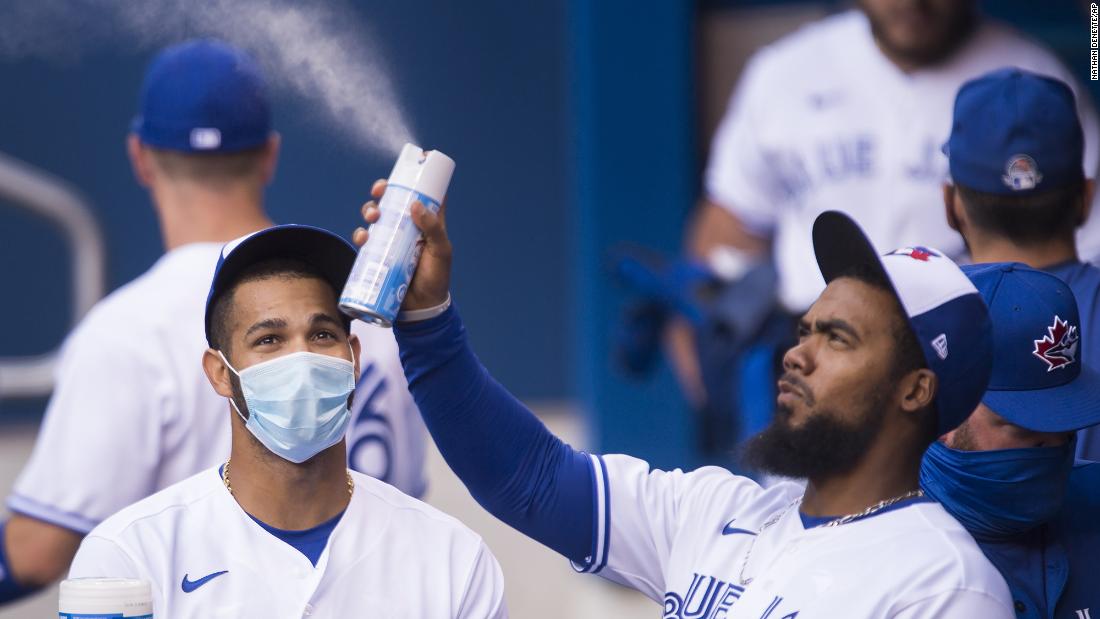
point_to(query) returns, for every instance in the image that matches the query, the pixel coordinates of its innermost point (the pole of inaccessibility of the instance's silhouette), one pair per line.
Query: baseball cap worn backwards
(328, 252)
(203, 96)
(944, 310)
(1015, 133)
(1038, 380)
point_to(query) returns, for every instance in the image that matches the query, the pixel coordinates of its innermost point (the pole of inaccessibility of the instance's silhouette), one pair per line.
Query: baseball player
(1017, 193)
(895, 352)
(849, 113)
(1005, 472)
(282, 528)
(132, 412)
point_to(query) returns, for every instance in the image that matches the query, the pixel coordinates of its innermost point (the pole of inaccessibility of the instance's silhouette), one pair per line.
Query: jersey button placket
(308, 610)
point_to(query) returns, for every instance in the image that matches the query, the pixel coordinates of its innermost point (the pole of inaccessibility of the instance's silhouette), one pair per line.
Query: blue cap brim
(1064, 408)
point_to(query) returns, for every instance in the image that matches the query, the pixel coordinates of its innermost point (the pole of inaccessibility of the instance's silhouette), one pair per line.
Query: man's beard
(962, 439)
(822, 447)
(929, 52)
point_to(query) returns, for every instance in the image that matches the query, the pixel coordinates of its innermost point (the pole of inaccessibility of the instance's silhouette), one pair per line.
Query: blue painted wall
(634, 181)
(484, 86)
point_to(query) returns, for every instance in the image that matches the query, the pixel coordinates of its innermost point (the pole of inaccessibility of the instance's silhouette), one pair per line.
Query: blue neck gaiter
(1001, 493)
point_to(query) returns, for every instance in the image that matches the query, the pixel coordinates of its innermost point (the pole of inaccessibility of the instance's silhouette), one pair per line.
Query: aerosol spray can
(385, 265)
(87, 598)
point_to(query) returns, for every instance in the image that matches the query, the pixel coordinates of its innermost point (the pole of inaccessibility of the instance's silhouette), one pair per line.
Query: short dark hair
(282, 268)
(1028, 219)
(211, 168)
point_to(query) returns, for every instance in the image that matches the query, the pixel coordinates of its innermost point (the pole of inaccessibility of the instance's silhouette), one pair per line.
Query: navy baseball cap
(1015, 132)
(328, 252)
(944, 310)
(203, 96)
(1038, 380)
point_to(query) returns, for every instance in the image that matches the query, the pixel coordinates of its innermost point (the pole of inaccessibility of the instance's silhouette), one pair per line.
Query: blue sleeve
(9, 589)
(511, 464)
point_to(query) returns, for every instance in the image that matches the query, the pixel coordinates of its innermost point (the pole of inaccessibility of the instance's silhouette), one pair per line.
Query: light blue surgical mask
(297, 403)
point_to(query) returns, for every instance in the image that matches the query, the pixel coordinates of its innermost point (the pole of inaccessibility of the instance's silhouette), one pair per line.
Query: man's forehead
(863, 306)
(291, 298)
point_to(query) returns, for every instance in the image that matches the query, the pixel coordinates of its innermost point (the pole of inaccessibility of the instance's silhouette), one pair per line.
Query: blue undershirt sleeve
(508, 460)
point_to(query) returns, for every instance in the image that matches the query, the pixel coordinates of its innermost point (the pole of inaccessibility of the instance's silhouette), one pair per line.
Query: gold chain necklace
(225, 479)
(832, 523)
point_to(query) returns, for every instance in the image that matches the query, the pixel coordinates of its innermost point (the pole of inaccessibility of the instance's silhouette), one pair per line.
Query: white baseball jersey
(822, 120)
(691, 541)
(133, 412)
(389, 556)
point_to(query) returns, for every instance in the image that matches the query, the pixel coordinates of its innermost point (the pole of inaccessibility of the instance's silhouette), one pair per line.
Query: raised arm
(511, 464)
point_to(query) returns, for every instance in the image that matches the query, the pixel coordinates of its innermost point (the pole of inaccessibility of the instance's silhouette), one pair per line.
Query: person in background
(1017, 192)
(848, 113)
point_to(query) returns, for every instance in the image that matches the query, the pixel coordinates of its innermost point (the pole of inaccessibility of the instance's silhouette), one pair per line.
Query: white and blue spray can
(386, 263)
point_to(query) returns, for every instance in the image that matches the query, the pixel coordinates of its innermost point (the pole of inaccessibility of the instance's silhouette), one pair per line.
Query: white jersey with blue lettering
(389, 556)
(133, 412)
(822, 120)
(699, 544)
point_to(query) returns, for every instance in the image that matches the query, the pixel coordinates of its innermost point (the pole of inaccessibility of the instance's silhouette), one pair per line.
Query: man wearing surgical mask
(1007, 473)
(282, 528)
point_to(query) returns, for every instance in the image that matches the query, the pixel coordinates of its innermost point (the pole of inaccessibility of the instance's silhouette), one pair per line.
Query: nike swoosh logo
(190, 585)
(729, 529)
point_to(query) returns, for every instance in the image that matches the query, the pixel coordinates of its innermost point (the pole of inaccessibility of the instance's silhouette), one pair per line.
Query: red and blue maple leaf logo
(1058, 348)
(916, 253)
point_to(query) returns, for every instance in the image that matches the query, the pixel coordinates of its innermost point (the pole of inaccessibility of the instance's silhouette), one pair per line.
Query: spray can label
(386, 263)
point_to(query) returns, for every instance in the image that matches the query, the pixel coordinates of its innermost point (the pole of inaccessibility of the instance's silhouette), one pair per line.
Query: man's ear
(950, 206)
(271, 157)
(918, 390)
(217, 372)
(356, 348)
(1086, 201)
(140, 160)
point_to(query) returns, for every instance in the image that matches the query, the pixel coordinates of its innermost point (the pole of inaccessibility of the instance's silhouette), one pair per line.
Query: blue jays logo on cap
(1060, 394)
(916, 253)
(1058, 348)
(1021, 173)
